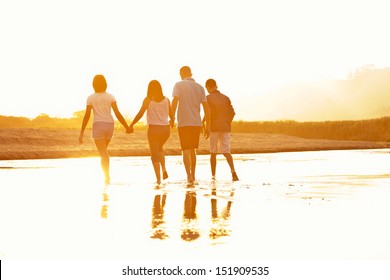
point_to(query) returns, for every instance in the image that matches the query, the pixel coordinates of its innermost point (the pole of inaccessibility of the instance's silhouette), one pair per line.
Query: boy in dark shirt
(221, 117)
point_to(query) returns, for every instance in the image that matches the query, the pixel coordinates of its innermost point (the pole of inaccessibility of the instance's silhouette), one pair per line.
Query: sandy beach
(323, 205)
(26, 143)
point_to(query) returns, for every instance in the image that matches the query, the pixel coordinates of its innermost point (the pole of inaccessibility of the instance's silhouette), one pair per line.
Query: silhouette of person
(158, 216)
(221, 117)
(101, 104)
(219, 221)
(187, 98)
(158, 109)
(190, 230)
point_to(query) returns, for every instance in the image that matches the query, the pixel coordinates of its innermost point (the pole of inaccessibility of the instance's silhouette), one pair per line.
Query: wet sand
(46, 144)
(328, 205)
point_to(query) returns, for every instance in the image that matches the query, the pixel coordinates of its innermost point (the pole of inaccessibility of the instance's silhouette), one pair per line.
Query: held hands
(129, 129)
(206, 130)
(172, 123)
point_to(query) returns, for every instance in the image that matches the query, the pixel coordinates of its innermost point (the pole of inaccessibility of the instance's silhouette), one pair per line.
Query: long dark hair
(155, 92)
(99, 83)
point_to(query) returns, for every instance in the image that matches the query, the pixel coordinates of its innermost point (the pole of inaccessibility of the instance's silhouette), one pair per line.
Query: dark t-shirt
(221, 112)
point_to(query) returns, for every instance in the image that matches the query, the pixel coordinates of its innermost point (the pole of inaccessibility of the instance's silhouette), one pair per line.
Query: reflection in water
(190, 226)
(220, 221)
(104, 209)
(309, 197)
(158, 222)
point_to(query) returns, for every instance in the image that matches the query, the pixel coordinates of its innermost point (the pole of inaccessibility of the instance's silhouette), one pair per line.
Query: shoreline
(21, 144)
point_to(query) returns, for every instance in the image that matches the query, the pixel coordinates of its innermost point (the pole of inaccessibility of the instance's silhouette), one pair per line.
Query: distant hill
(365, 95)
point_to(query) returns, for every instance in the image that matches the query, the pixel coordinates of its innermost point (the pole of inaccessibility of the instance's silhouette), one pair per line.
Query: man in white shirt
(187, 98)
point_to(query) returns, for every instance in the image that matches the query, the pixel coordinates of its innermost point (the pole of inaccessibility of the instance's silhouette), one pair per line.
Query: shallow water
(304, 205)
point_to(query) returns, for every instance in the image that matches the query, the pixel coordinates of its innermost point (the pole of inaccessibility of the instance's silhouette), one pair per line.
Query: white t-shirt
(157, 112)
(101, 106)
(191, 95)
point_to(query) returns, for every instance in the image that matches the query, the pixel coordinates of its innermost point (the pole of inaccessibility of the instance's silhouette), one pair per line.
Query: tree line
(377, 129)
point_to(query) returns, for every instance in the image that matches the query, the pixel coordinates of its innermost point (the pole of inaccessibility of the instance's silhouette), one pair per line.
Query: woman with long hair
(158, 109)
(101, 104)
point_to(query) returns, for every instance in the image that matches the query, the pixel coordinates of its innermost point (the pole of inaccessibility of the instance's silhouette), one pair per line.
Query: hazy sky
(50, 50)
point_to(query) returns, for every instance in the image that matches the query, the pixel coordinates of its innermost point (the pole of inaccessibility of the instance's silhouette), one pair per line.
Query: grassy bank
(30, 143)
(360, 130)
(357, 130)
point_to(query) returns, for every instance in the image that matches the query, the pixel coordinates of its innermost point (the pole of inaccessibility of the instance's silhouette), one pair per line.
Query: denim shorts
(102, 130)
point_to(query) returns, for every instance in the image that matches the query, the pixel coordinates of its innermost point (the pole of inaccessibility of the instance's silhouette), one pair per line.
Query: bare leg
(101, 146)
(229, 160)
(193, 164)
(213, 163)
(155, 154)
(156, 166)
(162, 163)
(187, 164)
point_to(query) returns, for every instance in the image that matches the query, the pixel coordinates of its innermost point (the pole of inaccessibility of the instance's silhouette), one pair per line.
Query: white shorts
(221, 139)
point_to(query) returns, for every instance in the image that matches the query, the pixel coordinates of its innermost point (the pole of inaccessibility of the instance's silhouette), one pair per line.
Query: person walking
(158, 109)
(221, 117)
(188, 95)
(101, 104)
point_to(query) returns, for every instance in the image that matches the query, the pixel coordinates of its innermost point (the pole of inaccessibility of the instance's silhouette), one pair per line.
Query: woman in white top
(101, 103)
(158, 110)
